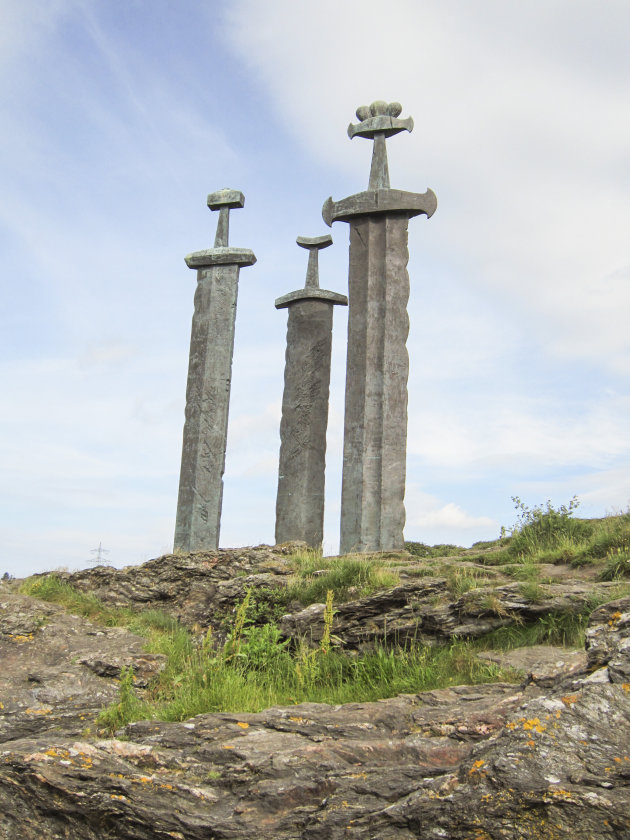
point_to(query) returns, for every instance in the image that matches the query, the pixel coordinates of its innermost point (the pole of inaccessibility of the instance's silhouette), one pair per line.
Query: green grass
(463, 580)
(617, 564)
(562, 629)
(545, 534)
(255, 668)
(206, 680)
(51, 588)
(420, 549)
(349, 578)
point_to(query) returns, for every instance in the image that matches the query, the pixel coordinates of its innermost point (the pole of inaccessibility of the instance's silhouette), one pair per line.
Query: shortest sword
(301, 474)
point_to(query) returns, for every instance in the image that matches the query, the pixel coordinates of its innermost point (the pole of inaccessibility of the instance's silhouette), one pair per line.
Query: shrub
(541, 529)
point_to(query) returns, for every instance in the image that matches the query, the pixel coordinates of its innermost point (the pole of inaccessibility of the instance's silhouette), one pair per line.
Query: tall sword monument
(375, 431)
(209, 377)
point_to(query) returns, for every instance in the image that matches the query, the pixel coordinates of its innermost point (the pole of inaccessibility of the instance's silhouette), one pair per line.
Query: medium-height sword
(209, 378)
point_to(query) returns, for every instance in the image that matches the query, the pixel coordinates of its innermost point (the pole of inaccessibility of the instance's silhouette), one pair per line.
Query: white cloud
(519, 130)
(451, 518)
(431, 520)
(493, 435)
(113, 135)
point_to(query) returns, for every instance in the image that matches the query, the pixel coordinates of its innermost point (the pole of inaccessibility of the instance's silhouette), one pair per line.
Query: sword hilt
(224, 201)
(313, 244)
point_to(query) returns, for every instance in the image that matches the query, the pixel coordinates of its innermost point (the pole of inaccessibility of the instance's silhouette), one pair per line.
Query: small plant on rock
(617, 563)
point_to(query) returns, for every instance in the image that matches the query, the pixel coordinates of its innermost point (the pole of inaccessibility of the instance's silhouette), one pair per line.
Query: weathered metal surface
(375, 432)
(301, 475)
(209, 379)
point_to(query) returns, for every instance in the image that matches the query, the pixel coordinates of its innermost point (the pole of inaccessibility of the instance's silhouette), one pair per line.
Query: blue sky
(119, 116)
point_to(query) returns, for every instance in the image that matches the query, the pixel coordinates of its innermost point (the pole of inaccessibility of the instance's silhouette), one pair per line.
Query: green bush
(547, 529)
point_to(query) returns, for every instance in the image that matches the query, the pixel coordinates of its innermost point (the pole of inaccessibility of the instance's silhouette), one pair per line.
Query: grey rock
(610, 624)
(544, 665)
(422, 611)
(53, 666)
(491, 761)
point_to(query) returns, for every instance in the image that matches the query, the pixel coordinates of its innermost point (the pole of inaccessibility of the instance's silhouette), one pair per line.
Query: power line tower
(99, 559)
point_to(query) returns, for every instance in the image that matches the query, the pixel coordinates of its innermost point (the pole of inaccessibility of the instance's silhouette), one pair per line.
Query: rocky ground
(549, 758)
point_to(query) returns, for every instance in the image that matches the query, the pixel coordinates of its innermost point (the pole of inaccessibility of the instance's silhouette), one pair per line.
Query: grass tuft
(349, 578)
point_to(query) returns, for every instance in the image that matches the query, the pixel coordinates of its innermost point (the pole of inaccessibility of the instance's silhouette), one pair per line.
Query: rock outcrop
(53, 665)
(547, 759)
(202, 589)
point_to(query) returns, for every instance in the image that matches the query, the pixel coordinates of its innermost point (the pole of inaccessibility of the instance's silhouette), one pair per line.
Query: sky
(120, 116)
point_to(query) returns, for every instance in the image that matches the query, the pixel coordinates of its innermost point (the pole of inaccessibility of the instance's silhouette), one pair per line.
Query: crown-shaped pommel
(379, 118)
(224, 201)
(378, 121)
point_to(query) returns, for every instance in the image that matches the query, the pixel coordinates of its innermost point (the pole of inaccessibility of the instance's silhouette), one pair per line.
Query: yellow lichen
(476, 767)
(242, 724)
(535, 724)
(20, 639)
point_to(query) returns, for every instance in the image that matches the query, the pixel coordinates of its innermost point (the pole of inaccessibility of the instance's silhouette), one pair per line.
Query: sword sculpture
(209, 378)
(375, 431)
(300, 499)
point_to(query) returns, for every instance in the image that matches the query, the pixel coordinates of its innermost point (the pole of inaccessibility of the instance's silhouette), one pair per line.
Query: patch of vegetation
(52, 588)
(532, 591)
(497, 557)
(428, 570)
(563, 629)
(348, 578)
(255, 669)
(548, 534)
(464, 579)
(419, 549)
(128, 708)
(525, 571)
(482, 544)
(617, 563)
(543, 529)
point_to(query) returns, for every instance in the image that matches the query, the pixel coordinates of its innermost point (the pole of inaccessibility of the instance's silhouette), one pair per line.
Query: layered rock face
(547, 759)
